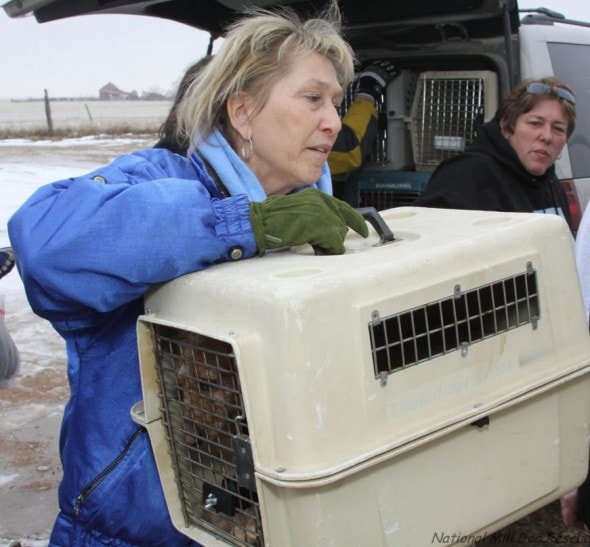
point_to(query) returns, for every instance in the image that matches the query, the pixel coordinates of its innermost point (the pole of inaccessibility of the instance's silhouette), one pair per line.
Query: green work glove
(309, 216)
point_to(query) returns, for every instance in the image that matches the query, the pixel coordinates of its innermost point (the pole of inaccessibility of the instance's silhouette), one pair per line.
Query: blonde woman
(261, 120)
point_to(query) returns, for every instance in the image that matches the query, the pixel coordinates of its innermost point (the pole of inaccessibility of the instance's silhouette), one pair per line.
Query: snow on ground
(32, 405)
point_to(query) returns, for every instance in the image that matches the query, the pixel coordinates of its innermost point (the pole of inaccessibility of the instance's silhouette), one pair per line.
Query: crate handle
(371, 215)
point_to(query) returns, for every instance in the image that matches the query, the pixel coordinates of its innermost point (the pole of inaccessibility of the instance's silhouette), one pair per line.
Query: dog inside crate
(207, 432)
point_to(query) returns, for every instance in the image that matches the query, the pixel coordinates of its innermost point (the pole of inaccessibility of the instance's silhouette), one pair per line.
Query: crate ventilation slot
(452, 324)
(207, 433)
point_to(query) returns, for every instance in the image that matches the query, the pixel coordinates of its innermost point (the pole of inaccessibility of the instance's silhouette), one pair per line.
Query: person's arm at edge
(356, 138)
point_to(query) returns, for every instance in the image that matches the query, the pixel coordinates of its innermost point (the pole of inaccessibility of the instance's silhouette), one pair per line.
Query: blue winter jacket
(88, 249)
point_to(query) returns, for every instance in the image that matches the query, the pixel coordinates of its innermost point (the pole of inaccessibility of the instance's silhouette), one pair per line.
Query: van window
(571, 64)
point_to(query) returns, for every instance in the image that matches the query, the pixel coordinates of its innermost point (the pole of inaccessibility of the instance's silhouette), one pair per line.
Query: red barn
(111, 92)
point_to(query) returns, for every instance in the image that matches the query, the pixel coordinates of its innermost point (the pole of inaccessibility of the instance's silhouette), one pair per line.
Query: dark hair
(168, 133)
(520, 101)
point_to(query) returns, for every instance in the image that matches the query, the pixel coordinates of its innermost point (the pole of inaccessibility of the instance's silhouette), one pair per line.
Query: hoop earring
(247, 155)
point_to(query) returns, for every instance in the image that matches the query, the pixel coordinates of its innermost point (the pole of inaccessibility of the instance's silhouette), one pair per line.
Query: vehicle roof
(367, 21)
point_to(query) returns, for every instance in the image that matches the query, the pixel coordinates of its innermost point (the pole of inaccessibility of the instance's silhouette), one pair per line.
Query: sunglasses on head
(544, 89)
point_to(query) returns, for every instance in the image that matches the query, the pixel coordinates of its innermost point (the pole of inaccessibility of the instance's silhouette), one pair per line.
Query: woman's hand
(309, 216)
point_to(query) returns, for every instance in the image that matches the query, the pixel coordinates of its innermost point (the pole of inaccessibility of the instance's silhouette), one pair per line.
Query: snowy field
(101, 114)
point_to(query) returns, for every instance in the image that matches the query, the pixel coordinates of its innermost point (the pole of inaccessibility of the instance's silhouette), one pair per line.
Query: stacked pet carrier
(448, 108)
(428, 117)
(433, 386)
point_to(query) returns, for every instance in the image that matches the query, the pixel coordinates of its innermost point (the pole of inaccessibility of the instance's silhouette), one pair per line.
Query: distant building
(111, 92)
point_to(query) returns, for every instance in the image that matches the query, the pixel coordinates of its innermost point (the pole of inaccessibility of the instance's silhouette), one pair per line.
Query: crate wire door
(447, 110)
(207, 433)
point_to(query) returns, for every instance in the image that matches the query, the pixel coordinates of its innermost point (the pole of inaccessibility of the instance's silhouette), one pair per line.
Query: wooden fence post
(88, 112)
(48, 115)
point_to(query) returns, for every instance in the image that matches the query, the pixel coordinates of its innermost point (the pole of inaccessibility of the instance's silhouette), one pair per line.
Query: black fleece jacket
(489, 176)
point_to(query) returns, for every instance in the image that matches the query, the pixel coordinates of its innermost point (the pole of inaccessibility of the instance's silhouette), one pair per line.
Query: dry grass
(68, 132)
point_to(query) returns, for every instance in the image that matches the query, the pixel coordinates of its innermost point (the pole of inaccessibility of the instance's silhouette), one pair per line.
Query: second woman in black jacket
(510, 165)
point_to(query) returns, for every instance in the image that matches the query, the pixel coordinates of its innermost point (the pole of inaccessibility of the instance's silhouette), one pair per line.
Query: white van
(468, 53)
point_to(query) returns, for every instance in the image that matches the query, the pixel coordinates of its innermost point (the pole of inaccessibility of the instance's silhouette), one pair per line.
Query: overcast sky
(75, 57)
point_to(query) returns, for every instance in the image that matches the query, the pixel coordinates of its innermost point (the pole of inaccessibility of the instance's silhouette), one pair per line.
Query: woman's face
(539, 136)
(297, 126)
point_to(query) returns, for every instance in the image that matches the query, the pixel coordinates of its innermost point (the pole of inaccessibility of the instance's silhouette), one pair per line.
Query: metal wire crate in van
(447, 109)
(435, 384)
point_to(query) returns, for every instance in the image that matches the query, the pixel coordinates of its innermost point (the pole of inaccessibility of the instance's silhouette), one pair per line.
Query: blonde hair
(519, 101)
(258, 50)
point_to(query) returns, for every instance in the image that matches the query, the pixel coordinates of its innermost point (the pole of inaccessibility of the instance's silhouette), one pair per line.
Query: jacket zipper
(93, 484)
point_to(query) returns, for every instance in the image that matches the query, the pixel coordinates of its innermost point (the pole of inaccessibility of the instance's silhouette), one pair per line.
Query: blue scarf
(237, 177)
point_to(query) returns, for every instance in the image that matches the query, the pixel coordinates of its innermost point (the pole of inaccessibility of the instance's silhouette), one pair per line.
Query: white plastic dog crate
(393, 148)
(448, 106)
(434, 385)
